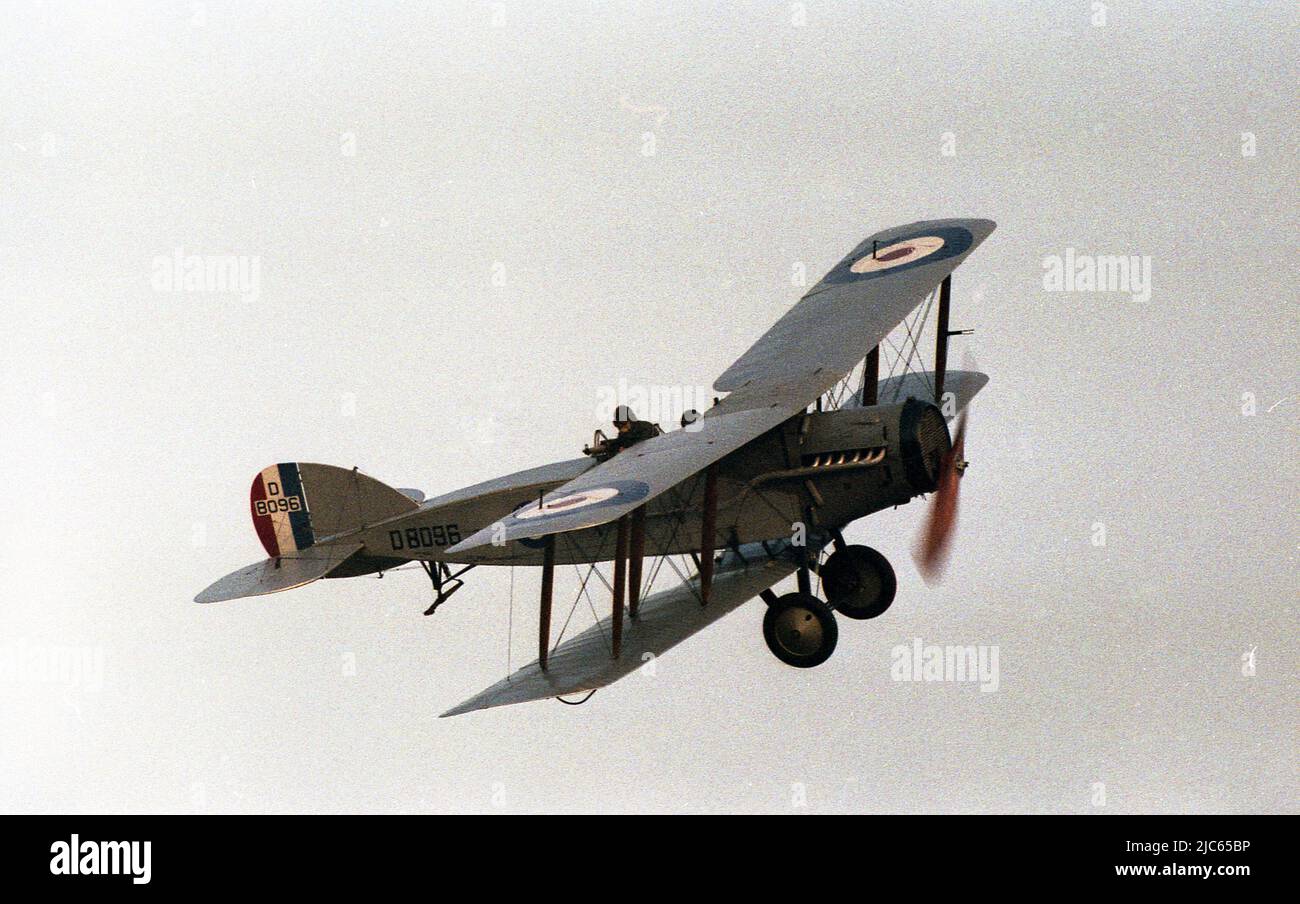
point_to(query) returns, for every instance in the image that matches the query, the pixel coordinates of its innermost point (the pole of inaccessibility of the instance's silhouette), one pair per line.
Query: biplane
(757, 488)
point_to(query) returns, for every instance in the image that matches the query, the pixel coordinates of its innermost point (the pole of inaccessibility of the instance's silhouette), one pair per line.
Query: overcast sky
(463, 222)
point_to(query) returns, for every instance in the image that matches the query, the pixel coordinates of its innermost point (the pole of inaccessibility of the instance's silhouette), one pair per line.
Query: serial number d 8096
(437, 535)
(280, 504)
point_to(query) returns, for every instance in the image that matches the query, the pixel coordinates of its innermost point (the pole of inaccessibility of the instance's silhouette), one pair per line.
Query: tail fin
(297, 505)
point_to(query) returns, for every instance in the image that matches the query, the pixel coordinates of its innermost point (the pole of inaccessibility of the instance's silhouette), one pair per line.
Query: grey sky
(383, 163)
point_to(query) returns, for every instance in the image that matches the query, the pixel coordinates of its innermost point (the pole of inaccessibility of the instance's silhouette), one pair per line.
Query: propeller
(935, 542)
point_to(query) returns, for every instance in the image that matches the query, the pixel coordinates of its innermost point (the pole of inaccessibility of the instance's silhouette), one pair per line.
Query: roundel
(614, 493)
(895, 254)
(564, 504)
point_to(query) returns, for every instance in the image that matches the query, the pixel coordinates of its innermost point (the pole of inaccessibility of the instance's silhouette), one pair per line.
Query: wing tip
(480, 701)
(212, 594)
(465, 706)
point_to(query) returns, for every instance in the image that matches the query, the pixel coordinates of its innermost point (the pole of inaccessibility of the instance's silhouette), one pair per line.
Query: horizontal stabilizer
(276, 574)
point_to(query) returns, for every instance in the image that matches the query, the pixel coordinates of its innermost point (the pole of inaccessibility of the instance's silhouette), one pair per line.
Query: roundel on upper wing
(614, 493)
(885, 257)
(897, 254)
(564, 504)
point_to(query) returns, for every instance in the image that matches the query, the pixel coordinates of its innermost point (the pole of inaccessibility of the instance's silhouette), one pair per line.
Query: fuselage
(815, 471)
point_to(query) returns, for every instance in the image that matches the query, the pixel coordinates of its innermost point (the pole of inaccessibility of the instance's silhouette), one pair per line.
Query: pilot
(630, 430)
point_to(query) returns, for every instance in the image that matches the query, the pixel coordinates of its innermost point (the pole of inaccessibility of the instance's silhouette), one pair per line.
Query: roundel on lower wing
(614, 493)
(885, 257)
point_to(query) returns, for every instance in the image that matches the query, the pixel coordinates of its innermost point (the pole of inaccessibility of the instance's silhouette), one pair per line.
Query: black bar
(234, 854)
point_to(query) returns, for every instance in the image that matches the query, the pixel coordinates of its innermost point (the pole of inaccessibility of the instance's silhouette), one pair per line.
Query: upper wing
(854, 307)
(635, 475)
(963, 384)
(803, 355)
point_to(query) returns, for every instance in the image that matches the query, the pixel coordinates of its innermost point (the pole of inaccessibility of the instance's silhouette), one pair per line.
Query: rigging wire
(917, 322)
(582, 591)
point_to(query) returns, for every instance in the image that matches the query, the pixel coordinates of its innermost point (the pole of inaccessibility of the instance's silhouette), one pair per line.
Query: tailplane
(304, 515)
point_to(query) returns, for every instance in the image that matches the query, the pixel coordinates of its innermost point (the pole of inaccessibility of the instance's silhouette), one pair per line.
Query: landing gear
(445, 581)
(800, 630)
(859, 582)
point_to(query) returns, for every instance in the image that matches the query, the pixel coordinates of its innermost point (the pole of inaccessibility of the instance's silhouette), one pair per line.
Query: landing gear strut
(859, 582)
(445, 582)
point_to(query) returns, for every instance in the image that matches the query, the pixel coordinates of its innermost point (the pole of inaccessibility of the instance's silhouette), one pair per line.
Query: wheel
(800, 630)
(859, 582)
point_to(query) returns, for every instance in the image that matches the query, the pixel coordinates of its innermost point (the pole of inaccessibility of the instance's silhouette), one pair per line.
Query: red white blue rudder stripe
(281, 515)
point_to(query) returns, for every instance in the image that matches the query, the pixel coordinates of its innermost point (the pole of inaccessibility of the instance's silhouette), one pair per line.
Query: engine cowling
(923, 442)
(911, 437)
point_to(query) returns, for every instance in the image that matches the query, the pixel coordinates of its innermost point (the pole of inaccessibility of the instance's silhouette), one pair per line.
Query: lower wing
(585, 662)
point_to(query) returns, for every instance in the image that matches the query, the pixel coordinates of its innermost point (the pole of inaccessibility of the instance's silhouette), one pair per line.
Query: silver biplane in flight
(756, 488)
